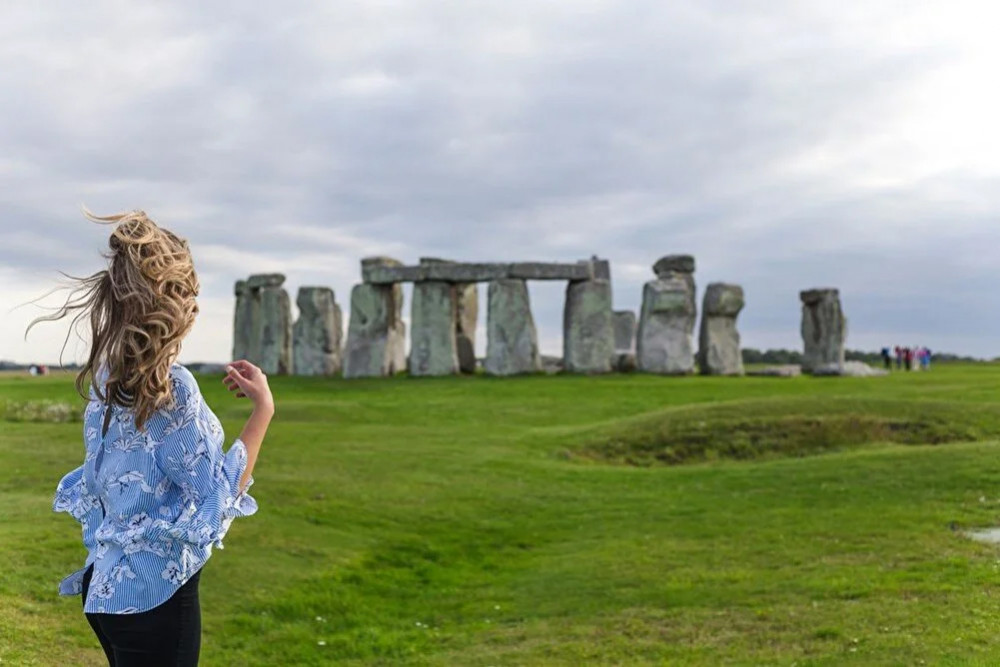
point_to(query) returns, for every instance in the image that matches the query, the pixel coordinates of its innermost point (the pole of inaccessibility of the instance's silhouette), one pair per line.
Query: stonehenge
(666, 322)
(824, 330)
(718, 340)
(263, 323)
(445, 309)
(316, 344)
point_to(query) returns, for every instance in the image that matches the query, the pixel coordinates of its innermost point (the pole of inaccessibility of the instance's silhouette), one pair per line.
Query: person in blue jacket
(156, 492)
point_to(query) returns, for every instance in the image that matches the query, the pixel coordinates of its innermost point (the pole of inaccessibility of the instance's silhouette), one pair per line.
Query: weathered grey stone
(385, 270)
(467, 314)
(243, 320)
(719, 341)
(466, 273)
(824, 329)
(316, 335)
(786, 371)
(551, 271)
(512, 342)
(588, 336)
(376, 334)
(266, 280)
(666, 324)
(272, 350)
(623, 322)
(433, 346)
(673, 264)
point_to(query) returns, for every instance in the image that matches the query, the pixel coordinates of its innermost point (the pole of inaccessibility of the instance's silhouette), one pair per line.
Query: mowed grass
(537, 520)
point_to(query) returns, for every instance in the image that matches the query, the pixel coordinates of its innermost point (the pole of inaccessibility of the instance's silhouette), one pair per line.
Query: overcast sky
(786, 144)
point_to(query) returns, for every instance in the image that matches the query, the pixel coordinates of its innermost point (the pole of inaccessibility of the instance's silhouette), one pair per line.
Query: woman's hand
(249, 381)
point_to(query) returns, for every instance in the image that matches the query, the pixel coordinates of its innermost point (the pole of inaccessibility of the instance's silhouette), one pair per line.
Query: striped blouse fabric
(152, 502)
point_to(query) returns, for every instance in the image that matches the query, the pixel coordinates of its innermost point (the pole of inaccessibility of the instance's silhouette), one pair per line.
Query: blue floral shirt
(152, 502)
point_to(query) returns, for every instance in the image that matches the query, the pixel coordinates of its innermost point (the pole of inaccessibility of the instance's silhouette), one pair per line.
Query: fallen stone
(849, 369)
(788, 371)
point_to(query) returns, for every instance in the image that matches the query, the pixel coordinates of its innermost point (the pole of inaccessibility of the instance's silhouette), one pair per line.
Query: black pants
(169, 634)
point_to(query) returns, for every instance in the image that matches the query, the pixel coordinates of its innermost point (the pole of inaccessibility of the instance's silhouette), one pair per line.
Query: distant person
(887, 358)
(926, 358)
(899, 358)
(908, 358)
(155, 492)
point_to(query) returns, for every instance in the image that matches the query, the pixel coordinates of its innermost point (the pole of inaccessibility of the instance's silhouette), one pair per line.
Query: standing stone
(588, 335)
(824, 329)
(433, 345)
(376, 334)
(316, 335)
(623, 323)
(666, 323)
(512, 342)
(467, 313)
(718, 340)
(273, 352)
(243, 319)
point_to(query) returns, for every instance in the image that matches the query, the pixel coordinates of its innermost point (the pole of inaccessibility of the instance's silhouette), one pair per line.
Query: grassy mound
(786, 426)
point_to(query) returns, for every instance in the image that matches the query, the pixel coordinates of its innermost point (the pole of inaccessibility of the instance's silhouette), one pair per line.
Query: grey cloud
(519, 130)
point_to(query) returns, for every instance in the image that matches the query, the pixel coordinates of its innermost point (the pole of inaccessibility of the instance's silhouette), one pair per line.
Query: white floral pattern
(151, 503)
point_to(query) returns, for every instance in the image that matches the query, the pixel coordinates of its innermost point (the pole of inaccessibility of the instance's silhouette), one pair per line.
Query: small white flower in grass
(497, 607)
(321, 643)
(321, 619)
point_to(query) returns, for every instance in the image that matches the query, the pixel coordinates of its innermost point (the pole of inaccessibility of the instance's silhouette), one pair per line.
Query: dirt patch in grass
(676, 439)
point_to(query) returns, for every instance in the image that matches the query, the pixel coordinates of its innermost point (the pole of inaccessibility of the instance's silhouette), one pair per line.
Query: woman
(155, 492)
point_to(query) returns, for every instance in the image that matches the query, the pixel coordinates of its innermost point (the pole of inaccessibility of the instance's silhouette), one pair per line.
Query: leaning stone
(376, 334)
(666, 324)
(433, 348)
(824, 329)
(588, 336)
(719, 341)
(266, 280)
(849, 369)
(623, 322)
(316, 335)
(673, 264)
(512, 342)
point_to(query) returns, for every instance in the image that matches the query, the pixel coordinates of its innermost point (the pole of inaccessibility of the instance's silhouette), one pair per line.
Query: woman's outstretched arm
(249, 381)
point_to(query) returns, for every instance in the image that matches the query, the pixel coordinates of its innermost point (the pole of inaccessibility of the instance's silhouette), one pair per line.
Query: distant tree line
(778, 357)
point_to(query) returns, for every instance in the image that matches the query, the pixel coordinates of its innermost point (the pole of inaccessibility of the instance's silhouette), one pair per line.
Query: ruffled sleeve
(191, 456)
(72, 497)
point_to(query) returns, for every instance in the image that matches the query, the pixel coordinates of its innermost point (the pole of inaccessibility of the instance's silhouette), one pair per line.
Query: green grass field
(566, 521)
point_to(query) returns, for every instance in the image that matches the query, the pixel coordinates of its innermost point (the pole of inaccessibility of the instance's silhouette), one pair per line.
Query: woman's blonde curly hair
(140, 308)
